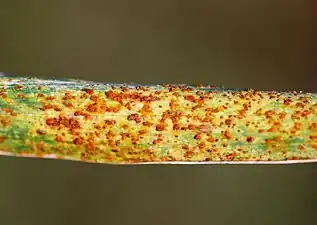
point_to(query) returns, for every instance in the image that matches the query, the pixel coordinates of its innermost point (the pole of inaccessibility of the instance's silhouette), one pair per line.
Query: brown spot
(68, 104)
(287, 101)
(313, 127)
(5, 122)
(297, 126)
(110, 122)
(80, 113)
(293, 158)
(114, 96)
(84, 96)
(94, 98)
(128, 106)
(300, 105)
(58, 138)
(50, 98)
(88, 90)
(70, 123)
(184, 128)
(269, 114)
(21, 96)
(202, 145)
(171, 89)
(211, 139)
(304, 100)
(164, 117)
(305, 113)
(172, 104)
(196, 107)
(136, 117)
(241, 114)
(146, 108)
(9, 111)
(204, 128)
(189, 154)
(146, 123)
(92, 108)
(189, 98)
(261, 131)
(67, 96)
(110, 135)
(52, 122)
(228, 122)
(176, 127)
(230, 156)
(227, 134)
(3, 95)
(186, 147)
(114, 109)
(91, 145)
(273, 129)
(47, 106)
(142, 132)
(301, 147)
(282, 115)
(313, 137)
(78, 141)
(160, 127)
(39, 147)
(40, 132)
(18, 87)
(250, 139)
(197, 136)
(191, 127)
(2, 139)
(125, 126)
(124, 136)
(148, 98)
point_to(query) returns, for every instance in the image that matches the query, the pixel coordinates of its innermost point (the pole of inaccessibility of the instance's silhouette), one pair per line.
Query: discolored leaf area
(130, 123)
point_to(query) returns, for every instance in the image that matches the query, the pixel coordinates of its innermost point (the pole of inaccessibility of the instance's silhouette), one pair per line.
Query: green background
(264, 44)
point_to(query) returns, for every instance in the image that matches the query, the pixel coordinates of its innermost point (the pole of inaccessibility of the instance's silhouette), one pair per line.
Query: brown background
(264, 44)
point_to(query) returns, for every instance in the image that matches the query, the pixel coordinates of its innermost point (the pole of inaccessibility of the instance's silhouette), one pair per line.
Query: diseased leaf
(129, 123)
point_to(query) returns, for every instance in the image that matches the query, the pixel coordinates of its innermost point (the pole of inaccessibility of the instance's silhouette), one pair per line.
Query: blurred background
(263, 44)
